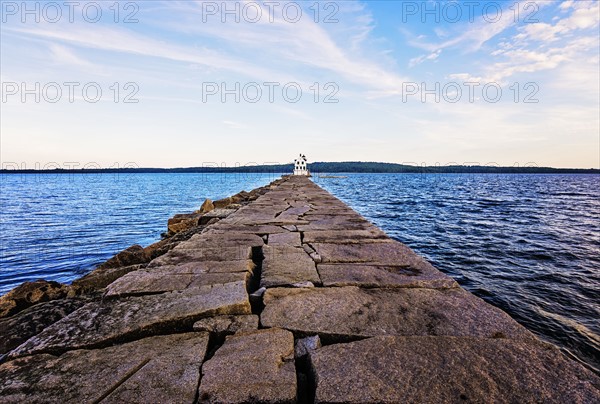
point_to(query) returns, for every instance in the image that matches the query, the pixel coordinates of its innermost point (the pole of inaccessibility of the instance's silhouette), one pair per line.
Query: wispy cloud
(546, 45)
(305, 43)
(120, 40)
(420, 59)
(585, 15)
(294, 48)
(468, 37)
(234, 125)
(63, 55)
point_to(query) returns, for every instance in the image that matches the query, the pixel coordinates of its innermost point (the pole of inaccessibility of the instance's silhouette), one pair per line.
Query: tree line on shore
(331, 167)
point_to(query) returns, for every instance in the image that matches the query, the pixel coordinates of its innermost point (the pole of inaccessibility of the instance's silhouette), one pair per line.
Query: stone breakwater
(283, 294)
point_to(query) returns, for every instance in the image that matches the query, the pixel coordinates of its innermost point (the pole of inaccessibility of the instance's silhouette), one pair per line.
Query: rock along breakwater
(282, 294)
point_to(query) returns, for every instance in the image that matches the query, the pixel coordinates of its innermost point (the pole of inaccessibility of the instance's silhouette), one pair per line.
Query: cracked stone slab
(150, 281)
(296, 210)
(263, 209)
(279, 221)
(284, 265)
(340, 210)
(390, 253)
(221, 213)
(291, 239)
(241, 228)
(227, 324)
(383, 276)
(353, 217)
(347, 313)
(104, 322)
(345, 236)
(335, 225)
(298, 201)
(155, 369)
(185, 253)
(255, 366)
(203, 267)
(227, 239)
(252, 215)
(20, 327)
(449, 370)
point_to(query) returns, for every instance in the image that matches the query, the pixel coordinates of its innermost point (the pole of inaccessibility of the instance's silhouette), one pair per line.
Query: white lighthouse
(300, 167)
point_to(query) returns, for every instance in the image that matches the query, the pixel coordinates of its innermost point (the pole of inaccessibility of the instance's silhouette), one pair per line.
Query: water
(60, 226)
(529, 244)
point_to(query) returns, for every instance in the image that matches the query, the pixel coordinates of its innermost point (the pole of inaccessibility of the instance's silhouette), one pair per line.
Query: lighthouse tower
(300, 166)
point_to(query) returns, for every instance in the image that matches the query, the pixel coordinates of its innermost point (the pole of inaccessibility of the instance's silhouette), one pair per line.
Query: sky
(204, 83)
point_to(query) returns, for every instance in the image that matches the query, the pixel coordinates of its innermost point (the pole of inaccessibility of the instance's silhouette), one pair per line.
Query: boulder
(155, 369)
(157, 249)
(241, 196)
(347, 313)
(118, 320)
(449, 370)
(183, 222)
(223, 203)
(207, 206)
(185, 235)
(99, 279)
(256, 366)
(29, 293)
(130, 256)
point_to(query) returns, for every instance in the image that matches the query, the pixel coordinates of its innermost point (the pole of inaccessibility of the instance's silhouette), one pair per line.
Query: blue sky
(396, 71)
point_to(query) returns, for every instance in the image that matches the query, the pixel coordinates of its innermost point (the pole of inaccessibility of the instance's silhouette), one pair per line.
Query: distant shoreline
(321, 167)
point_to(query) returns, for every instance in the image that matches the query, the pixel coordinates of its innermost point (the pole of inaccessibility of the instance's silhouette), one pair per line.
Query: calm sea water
(529, 244)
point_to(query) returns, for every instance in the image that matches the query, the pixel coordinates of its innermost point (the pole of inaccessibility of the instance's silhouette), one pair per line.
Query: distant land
(324, 167)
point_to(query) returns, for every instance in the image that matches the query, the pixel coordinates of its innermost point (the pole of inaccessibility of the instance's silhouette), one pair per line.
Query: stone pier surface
(282, 294)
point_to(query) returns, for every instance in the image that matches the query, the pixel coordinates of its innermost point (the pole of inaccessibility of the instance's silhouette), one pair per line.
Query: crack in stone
(127, 376)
